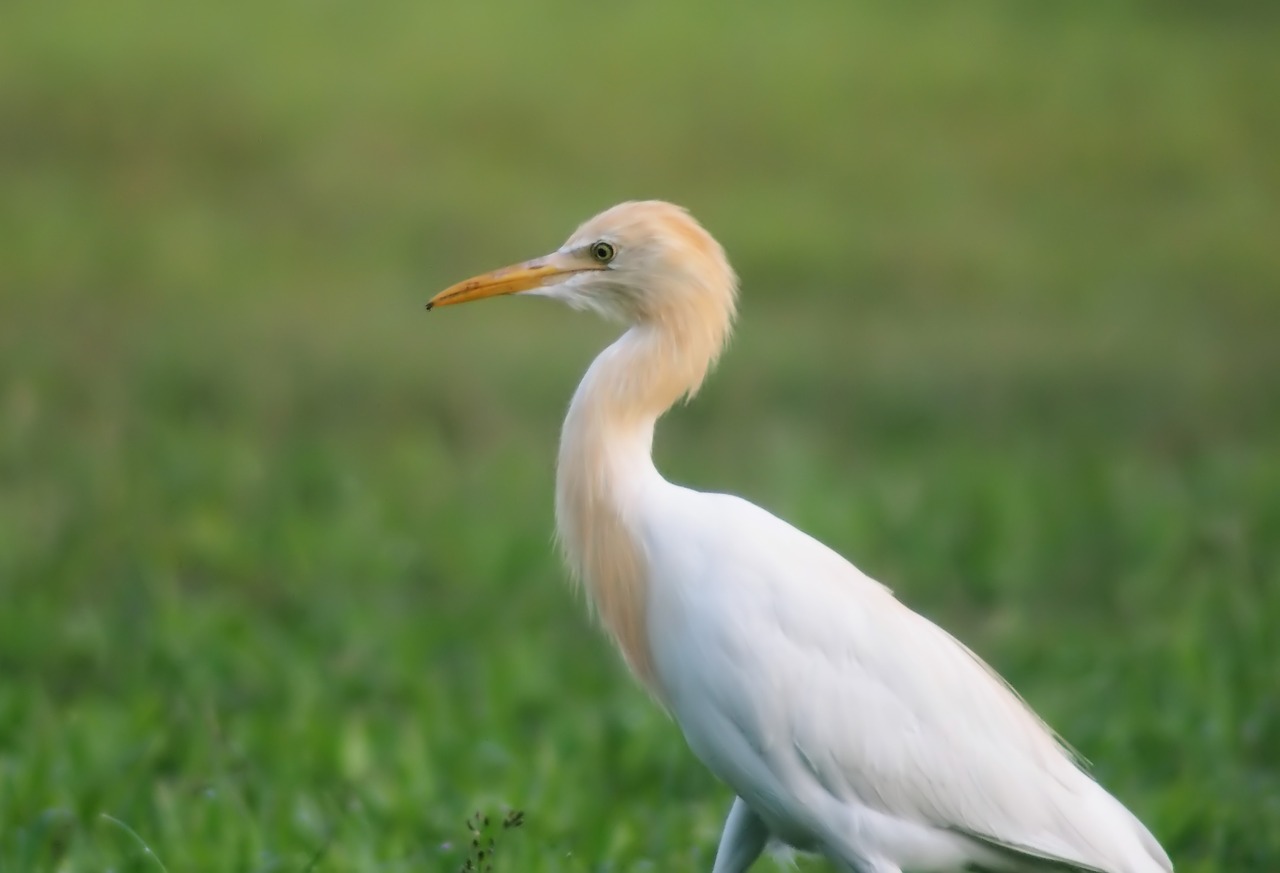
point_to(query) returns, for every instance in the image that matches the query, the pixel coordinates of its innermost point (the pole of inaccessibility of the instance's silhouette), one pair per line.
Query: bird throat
(605, 463)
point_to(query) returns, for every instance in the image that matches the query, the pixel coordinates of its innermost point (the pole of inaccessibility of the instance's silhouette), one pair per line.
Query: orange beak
(510, 280)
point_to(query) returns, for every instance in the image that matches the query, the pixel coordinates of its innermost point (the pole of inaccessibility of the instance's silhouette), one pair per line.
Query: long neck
(605, 461)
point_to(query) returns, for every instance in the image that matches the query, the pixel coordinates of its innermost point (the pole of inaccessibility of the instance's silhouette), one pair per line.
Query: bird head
(637, 262)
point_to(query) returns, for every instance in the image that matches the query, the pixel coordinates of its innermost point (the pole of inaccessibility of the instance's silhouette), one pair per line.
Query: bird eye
(603, 252)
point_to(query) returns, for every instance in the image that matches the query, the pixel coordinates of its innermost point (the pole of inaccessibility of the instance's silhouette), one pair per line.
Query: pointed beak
(510, 280)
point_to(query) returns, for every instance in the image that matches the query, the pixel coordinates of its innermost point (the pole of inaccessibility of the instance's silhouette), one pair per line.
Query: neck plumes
(605, 462)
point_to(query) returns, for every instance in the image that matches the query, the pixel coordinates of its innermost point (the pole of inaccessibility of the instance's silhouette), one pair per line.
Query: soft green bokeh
(277, 589)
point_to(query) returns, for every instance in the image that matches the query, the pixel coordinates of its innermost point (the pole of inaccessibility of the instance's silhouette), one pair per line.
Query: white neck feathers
(605, 459)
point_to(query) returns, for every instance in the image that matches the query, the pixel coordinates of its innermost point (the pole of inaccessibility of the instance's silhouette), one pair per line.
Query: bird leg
(743, 840)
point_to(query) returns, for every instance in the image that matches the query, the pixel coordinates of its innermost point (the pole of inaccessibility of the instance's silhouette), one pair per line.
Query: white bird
(845, 723)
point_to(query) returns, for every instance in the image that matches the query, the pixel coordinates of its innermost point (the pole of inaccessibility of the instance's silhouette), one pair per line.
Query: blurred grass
(276, 580)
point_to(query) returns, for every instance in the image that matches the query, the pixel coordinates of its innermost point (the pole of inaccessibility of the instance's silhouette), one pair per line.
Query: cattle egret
(845, 723)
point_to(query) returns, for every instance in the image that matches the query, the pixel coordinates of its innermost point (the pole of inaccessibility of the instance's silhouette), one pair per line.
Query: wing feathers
(930, 733)
(853, 701)
(1027, 859)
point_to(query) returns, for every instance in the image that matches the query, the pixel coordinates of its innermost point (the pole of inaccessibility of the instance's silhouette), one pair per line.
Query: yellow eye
(603, 252)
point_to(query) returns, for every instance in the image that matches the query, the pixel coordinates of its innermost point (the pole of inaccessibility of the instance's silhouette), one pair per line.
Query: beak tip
(430, 306)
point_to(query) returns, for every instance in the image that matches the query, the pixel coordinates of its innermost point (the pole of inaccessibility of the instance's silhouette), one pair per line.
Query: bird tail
(1156, 860)
(1121, 845)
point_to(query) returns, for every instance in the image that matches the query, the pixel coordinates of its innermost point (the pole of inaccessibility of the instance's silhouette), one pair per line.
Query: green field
(277, 589)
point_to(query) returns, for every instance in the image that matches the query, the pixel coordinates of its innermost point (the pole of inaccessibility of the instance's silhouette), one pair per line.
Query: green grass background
(277, 589)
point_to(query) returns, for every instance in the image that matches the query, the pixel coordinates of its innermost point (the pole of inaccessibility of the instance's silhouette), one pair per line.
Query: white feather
(849, 723)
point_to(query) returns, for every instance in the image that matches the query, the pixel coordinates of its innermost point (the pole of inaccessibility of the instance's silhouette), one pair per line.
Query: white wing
(795, 675)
